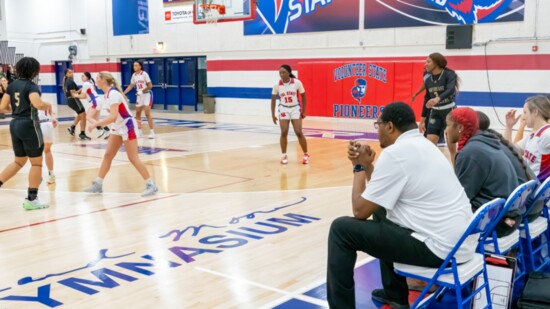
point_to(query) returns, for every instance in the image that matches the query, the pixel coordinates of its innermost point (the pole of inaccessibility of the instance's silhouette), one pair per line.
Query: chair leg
(487, 288)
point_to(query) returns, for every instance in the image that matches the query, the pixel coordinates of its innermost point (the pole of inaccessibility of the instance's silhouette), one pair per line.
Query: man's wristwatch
(358, 168)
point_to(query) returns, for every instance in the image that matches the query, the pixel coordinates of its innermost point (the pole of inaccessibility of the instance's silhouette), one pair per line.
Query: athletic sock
(98, 127)
(99, 180)
(106, 128)
(82, 133)
(149, 181)
(33, 193)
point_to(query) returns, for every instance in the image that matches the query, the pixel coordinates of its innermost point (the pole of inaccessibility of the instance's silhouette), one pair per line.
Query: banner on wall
(178, 14)
(359, 89)
(416, 13)
(293, 16)
(130, 17)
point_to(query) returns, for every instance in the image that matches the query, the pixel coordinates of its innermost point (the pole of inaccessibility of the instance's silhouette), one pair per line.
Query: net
(212, 12)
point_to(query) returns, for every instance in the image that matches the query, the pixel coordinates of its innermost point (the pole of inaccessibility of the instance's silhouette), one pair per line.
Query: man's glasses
(377, 124)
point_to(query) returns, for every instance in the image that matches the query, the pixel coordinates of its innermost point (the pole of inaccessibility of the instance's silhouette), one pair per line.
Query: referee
(23, 100)
(70, 88)
(441, 88)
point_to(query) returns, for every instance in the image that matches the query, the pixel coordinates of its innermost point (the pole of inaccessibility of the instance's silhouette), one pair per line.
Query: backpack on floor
(536, 294)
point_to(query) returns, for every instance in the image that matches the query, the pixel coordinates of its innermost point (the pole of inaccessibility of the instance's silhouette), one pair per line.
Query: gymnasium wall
(497, 73)
(3, 31)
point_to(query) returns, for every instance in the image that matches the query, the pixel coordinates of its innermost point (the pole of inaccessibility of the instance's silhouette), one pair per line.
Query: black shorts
(437, 122)
(76, 105)
(26, 137)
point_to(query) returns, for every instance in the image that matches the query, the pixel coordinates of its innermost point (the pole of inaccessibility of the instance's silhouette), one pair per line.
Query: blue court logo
(359, 90)
(277, 14)
(473, 11)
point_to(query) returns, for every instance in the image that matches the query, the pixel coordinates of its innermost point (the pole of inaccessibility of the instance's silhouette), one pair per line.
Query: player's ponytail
(109, 78)
(289, 70)
(89, 77)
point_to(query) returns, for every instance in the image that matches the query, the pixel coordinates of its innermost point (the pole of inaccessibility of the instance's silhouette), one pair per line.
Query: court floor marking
(85, 214)
(308, 287)
(265, 287)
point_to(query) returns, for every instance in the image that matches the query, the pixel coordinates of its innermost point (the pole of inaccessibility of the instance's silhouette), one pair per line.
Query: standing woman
(144, 100)
(48, 123)
(534, 147)
(89, 92)
(70, 88)
(123, 132)
(441, 89)
(290, 109)
(24, 101)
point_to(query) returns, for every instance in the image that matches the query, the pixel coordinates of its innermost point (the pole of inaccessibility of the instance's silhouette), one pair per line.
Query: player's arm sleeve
(387, 182)
(146, 77)
(275, 90)
(450, 86)
(34, 88)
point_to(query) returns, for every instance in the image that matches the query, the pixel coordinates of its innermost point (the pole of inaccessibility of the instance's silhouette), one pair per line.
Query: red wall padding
(330, 94)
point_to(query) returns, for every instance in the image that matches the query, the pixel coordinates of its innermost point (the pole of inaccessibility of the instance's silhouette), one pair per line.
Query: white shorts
(126, 131)
(47, 132)
(99, 104)
(290, 113)
(145, 99)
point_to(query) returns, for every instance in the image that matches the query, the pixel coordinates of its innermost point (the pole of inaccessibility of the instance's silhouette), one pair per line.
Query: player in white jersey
(89, 92)
(48, 123)
(289, 109)
(123, 131)
(535, 146)
(144, 96)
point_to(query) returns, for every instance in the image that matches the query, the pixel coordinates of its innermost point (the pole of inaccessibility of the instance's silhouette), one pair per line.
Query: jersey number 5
(17, 99)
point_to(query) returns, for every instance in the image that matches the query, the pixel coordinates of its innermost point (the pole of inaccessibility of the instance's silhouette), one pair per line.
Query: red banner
(360, 89)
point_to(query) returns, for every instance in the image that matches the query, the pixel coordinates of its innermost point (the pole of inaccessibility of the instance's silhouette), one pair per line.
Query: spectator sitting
(482, 167)
(424, 218)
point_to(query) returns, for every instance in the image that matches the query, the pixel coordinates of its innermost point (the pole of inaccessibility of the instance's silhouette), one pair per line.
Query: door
(155, 68)
(188, 85)
(60, 67)
(173, 90)
(126, 71)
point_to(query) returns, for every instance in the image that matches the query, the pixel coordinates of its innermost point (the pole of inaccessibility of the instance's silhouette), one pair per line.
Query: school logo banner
(130, 17)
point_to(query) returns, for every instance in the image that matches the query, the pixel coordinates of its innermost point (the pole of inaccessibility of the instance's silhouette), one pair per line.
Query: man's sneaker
(151, 135)
(380, 296)
(284, 159)
(34, 204)
(71, 130)
(306, 159)
(84, 137)
(51, 179)
(96, 187)
(150, 189)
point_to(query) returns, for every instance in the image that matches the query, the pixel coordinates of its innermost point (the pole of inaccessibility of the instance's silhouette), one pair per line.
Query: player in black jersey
(441, 89)
(23, 100)
(70, 88)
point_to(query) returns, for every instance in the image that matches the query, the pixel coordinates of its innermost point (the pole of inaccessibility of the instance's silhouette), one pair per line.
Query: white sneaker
(101, 133)
(51, 179)
(306, 159)
(139, 134)
(284, 159)
(107, 134)
(150, 189)
(34, 204)
(96, 187)
(151, 135)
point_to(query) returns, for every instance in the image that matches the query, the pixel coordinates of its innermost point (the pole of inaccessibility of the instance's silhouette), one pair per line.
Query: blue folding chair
(516, 202)
(452, 275)
(535, 235)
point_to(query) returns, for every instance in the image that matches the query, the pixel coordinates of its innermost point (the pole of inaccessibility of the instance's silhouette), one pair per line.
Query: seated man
(481, 165)
(427, 211)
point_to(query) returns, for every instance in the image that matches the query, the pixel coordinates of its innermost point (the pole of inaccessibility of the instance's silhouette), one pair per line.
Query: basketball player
(441, 88)
(48, 123)
(290, 109)
(89, 92)
(70, 88)
(23, 100)
(123, 132)
(144, 100)
(535, 147)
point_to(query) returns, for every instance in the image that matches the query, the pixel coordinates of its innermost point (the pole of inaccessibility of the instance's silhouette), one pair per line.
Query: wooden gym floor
(229, 228)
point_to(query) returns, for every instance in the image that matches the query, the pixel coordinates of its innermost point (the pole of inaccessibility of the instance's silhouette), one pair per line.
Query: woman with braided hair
(481, 166)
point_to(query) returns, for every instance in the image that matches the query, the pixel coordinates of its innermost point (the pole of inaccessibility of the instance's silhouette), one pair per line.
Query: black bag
(536, 294)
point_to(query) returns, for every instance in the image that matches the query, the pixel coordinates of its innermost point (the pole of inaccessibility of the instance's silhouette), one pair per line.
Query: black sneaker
(380, 296)
(71, 130)
(84, 137)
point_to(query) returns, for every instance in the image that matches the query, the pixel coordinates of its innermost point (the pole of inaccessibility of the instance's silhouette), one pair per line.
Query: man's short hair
(401, 115)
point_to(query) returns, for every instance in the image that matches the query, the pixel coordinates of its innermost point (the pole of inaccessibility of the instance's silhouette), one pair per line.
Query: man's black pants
(379, 238)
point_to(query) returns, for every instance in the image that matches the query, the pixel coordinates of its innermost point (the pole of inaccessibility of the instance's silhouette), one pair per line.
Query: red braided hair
(467, 117)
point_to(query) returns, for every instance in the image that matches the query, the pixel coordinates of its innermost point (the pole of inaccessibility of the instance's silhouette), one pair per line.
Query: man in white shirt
(427, 211)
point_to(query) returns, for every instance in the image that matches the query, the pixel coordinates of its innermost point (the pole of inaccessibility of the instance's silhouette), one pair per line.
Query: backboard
(229, 10)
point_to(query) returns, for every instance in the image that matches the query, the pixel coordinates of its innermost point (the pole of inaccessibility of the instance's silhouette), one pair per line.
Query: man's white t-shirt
(416, 184)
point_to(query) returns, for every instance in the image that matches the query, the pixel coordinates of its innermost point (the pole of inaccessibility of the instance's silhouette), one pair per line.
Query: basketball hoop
(212, 12)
